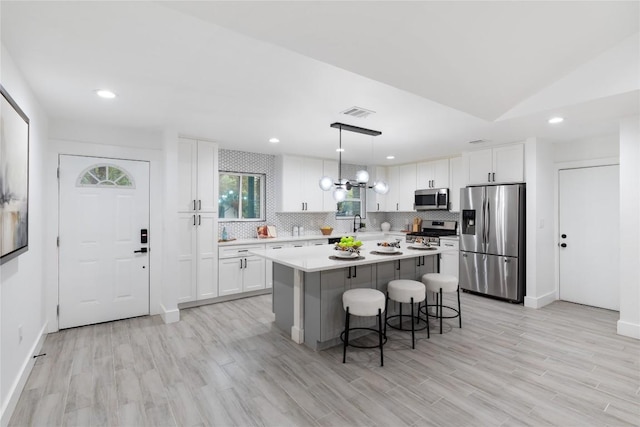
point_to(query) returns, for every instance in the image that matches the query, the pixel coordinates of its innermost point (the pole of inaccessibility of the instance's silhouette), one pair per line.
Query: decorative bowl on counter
(385, 226)
(389, 249)
(347, 254)
(326, 231)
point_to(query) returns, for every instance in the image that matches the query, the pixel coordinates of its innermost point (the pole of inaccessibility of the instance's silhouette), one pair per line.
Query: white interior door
(104, 205)
(589, 221)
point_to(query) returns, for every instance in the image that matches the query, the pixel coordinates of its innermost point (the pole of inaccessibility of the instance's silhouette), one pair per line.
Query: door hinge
(58, 241)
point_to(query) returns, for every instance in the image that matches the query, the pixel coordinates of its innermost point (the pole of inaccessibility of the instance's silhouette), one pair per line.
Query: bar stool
(363, 302)
(406, 292)
(439, 283)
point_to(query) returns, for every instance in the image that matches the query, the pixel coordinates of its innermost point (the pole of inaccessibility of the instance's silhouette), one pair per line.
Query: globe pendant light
(342, 186)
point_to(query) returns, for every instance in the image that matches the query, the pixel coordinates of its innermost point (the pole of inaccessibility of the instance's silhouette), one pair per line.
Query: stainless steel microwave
(432, 199)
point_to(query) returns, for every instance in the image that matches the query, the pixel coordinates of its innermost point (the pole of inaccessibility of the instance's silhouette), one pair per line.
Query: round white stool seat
(363, 301)
(403, 290)
(436, 281)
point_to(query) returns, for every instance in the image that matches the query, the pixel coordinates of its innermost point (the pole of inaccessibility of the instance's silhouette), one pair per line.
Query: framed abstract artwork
(14, 179)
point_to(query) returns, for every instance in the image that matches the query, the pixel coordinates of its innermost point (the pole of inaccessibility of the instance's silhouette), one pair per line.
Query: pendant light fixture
(342, 186)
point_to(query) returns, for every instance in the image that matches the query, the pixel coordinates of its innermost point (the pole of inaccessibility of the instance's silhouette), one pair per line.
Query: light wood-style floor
(227, 365)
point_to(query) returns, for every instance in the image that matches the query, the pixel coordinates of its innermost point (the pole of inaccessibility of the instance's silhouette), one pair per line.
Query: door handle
(141, 251)
(563, 245)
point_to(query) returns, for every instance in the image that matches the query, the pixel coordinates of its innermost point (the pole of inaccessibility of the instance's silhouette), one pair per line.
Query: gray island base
(308, 287)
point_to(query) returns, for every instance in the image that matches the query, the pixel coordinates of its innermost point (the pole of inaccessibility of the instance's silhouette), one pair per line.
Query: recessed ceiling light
(555, 120)
(340, 150)
(274, 140)
(391, 157)
(104, 93)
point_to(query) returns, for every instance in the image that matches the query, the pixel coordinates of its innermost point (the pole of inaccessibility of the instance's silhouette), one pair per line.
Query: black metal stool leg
(386, 311)
(413, 328)
(440, 306)
(459, 310)
(346, 337)
(380, 335)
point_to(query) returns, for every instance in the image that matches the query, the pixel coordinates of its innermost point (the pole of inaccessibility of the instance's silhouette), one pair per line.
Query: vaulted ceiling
(437, 74)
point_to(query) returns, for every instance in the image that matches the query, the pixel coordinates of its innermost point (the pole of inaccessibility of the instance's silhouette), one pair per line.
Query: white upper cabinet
(457, 181)
(407, 187)
(402, 187)
(376, 202)
(496, 165)
(330, 168)
(434, 174)
(297, 184)
(197, 176)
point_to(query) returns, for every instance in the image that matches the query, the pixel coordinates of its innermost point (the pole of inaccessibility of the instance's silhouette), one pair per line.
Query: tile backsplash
(241, 161)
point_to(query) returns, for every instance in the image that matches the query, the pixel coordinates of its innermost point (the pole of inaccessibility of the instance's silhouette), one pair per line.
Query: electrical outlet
(19, 334)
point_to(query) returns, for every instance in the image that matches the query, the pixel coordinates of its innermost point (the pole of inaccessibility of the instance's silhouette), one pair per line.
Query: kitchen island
(308, 285)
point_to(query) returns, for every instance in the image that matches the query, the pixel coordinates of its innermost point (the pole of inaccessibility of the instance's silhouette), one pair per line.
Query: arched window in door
(105, 175)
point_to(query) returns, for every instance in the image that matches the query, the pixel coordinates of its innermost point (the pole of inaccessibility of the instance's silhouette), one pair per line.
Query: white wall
(22, 279)
(629, 323)
(596, 147)
(540, 247)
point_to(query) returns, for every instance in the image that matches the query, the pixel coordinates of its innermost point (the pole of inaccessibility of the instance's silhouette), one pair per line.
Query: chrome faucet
(354, 223)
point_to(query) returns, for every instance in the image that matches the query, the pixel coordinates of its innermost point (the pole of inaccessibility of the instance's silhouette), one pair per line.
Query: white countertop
(363, 235)
(316, 258)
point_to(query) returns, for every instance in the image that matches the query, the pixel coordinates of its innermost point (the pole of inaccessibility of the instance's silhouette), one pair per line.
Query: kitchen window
(353, 204)
(241, 196)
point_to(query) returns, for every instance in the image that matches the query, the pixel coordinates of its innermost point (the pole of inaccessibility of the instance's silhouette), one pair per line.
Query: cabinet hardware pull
(194, 205)
(349, 274)
(378, 206)
(494, 177)
(199, 219)
(199, 205)
(489, 176)
(355, 271)
(194, 220)
(240, 263)
(243, 250)
(398, 267)
(563, 245)
(397, 206)
(245, 263)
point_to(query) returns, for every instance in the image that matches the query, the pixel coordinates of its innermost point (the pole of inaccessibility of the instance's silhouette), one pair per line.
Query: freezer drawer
(491, 275)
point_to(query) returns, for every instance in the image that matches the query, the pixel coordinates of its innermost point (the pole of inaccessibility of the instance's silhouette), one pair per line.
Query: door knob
(564, 245)
(141, 251)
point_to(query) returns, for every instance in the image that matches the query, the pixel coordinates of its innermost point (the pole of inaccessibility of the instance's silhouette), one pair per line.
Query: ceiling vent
(478, 141)
(358, 112)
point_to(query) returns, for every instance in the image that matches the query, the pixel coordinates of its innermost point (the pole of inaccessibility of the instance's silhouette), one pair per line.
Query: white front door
(589, 206)
(104, 205)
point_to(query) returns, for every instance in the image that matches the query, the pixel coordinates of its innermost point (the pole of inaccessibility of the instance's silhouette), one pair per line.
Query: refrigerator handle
(486, 228)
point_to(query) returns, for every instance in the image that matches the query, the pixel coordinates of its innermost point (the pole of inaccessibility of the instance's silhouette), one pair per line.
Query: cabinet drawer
(454, 244)
(237, 251)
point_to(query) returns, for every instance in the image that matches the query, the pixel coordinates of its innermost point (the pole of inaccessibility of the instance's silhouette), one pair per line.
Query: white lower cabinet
(197, 256)
(239, 271)
(449, 261)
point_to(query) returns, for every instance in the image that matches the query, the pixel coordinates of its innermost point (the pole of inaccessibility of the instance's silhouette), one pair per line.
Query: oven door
(432, 199)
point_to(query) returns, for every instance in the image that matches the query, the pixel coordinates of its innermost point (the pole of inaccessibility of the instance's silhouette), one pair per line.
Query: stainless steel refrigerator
(492, 241)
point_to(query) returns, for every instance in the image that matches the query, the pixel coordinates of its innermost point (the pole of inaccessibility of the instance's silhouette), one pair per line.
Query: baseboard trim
(21, 381)
(541, 301)
(170, 316)
(226, 298)
(630, 330)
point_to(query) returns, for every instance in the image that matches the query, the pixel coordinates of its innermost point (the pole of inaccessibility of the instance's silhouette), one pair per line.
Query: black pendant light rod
(355, 129)
(340, 160)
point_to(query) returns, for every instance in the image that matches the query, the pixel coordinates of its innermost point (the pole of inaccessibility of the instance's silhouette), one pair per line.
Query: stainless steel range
(432, 232)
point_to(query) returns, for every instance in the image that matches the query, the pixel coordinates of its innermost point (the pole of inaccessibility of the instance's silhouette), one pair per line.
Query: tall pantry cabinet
(198, 220)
